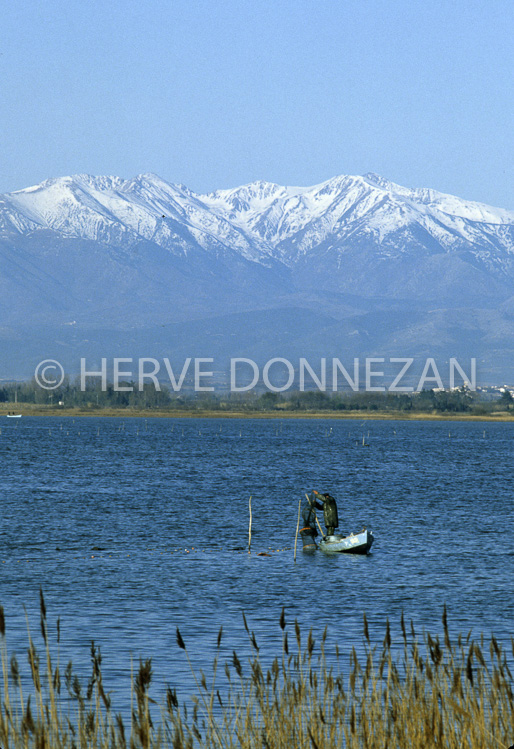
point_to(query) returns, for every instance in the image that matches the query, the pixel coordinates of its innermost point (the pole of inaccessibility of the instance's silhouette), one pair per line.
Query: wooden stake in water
(250, 526)
(297, 526)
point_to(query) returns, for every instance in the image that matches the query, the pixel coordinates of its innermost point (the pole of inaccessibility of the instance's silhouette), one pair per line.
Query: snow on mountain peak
(378, 181)
(254, 195)
(259, 219)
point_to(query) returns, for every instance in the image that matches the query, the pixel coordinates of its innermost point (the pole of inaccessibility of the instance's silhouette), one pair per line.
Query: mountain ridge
(143, 252)
(148, 191)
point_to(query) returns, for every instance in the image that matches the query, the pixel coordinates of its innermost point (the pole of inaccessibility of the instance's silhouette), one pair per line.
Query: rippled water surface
(134, 527)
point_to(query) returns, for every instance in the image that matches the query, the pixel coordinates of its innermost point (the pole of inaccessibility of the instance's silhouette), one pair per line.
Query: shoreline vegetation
(129, 412)
(70, 400)
(407, 693)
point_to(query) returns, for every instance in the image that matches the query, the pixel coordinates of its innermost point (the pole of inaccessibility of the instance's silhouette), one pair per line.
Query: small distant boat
(355, 543)
(13, 416)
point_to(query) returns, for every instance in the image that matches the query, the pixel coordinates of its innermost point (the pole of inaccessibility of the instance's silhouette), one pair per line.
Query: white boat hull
(355, 543)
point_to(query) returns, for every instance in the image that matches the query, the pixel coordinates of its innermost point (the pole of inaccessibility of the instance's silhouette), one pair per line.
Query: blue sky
(216, 94)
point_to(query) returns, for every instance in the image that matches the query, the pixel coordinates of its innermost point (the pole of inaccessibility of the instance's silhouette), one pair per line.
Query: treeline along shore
(71, 399)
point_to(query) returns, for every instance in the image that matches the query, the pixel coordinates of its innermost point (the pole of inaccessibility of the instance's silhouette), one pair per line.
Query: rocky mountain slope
(390, 268)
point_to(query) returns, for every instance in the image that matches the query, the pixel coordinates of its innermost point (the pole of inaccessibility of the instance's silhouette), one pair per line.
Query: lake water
(134, 527)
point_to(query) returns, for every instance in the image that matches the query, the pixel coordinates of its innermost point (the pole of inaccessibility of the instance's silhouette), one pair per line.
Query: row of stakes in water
(121, 428)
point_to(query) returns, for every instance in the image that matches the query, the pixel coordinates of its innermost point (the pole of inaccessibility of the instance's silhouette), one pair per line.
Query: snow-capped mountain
(104, 251)
(296, 221)
(115, 211)
(263, 220)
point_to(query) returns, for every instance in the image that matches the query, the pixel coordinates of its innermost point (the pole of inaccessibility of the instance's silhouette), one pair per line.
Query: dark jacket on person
(330, 512)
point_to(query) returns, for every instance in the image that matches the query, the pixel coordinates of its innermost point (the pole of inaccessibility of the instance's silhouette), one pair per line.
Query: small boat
(355, 543)
(13, 416)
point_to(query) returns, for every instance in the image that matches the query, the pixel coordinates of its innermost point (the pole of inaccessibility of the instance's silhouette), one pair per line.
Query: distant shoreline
(34, 410)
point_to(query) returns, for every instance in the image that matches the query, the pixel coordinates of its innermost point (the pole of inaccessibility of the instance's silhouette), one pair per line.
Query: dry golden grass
(420, 695)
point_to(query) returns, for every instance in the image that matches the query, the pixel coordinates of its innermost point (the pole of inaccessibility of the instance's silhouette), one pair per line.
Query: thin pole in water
(250, 526)
(297, 526)
(319, 526)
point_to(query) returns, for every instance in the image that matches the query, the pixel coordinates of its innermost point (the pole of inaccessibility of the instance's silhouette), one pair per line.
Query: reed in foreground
(416, 693)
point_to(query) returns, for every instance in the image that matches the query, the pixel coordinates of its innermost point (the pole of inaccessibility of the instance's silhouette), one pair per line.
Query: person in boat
(309, 507)
(330, 517)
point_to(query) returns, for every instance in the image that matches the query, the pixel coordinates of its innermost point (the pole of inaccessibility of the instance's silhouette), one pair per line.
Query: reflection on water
(133, 527)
